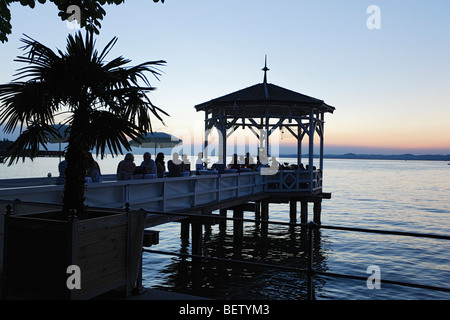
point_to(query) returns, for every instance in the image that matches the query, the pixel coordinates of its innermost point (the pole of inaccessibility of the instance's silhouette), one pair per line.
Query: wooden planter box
(39, 248)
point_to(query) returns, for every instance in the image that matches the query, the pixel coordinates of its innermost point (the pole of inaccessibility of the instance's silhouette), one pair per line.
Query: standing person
(160, 164)
(234, 162)
(93, 169)
(126, 168)
(249, 163)
(148, 165)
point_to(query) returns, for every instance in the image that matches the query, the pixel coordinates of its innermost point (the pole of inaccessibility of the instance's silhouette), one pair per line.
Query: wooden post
(185, 232)
(264, 217)
(4, 279)
(207, 225)
(299, 142)
(317, 211)
(238, 225)
(257, 210)
(223, 222)
(196, 249)
(312, 130)
(293, 210)
(265, 210)
(196, 237)
(304, 212)
(205, 146)
(322, 122)
(310, 295)
(257, 213)
(222, 140)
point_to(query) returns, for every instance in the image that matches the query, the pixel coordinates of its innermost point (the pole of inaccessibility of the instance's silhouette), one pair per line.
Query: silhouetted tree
(92, 12)
(104, 103)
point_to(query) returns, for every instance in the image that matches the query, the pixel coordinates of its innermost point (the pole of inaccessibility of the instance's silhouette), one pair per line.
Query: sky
(386, 72)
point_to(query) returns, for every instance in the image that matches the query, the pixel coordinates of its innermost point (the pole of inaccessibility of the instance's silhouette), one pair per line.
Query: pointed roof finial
(266, 89)
(265, 69)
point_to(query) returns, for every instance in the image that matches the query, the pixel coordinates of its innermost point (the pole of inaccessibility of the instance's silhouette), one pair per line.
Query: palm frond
(127, 77)
(80, 78)
(38, 57)
(29, 142)
(107, 131)
(23, 103)
(107, 49)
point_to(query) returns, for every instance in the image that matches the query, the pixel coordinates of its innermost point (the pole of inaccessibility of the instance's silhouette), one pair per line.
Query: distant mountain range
(430, 157)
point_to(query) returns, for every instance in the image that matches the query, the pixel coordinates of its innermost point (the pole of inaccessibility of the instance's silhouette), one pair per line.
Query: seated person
(160, 164)
(93, 169)
(262, 162)
(241, 161)
(126, 168)
(199, 165)
(186, 164)
(148, 166)
(275, 165)
(175, 166)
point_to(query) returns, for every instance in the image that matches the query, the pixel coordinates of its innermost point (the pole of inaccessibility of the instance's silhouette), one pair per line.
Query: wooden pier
(199, 197)
(195, 193)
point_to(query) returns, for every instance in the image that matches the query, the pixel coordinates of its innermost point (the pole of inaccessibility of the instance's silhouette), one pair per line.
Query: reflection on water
(410, 196)
(420, 261)
(275, 245)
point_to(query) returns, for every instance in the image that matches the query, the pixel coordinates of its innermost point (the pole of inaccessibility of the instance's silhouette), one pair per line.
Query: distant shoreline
(427, 157)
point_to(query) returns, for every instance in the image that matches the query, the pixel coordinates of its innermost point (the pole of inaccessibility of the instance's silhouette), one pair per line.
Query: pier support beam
(293, 211)
(304, 212)
(317, 211)
(207, 223)
(196, 237)
(184, 234)
(264, 217)
(223, 222)
(264, 210)
(257, 211)
(238, 225)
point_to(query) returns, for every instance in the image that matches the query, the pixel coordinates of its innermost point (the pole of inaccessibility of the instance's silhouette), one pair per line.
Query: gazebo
(263, 108)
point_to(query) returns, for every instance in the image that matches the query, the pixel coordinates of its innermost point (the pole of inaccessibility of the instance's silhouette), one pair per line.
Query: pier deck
(194, 193)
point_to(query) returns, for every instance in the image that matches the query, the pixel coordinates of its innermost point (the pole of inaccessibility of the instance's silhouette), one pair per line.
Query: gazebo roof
(264, 99)
(265, 94)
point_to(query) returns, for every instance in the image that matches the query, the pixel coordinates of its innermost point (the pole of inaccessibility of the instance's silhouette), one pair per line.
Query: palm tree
(104, 104)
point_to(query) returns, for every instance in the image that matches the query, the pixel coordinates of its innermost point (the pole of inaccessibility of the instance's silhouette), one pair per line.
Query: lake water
(410, 196)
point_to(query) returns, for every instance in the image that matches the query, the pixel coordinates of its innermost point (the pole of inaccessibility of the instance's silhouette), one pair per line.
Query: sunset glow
(388, 79)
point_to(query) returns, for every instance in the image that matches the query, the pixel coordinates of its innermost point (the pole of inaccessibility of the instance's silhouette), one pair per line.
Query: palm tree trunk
(76, 156)
(73, 197)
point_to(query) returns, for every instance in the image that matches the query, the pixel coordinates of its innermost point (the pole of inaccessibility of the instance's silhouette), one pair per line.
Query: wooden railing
(180, 193)
(295, 180)
(165, 194)
(174, 193)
